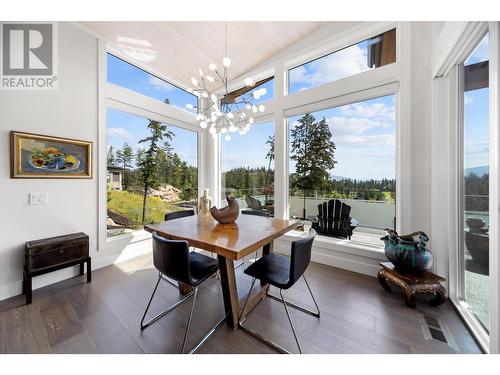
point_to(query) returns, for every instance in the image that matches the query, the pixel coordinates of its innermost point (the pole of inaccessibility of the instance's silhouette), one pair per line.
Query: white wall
(70, 111)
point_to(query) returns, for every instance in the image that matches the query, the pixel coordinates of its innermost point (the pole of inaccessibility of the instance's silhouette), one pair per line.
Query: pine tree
(110, 156)
(127, 156)
(148, 164)
(313, 151)
(270, 156)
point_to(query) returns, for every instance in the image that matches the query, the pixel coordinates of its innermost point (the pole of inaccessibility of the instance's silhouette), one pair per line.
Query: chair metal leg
(210, 333)
(239, 265)
(290, 320)
(256, 335)
(169, 281)
(189, 320)
(164, 312)
(303, 309)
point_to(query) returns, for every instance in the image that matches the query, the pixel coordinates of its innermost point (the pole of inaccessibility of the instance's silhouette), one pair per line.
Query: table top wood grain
(233, 241)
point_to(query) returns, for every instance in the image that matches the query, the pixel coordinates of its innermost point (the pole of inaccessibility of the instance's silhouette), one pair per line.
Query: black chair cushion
(273, 269)
(201, 267)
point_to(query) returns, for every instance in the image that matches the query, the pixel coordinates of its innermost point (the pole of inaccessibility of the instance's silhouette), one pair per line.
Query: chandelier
(225, 113)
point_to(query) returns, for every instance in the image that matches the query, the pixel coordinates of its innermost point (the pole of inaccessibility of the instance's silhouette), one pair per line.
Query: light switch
(38, 198)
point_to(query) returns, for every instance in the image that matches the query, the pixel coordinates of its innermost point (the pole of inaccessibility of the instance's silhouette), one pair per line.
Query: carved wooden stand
(412, 285)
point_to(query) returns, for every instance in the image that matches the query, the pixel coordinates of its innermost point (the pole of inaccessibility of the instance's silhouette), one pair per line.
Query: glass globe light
(223, 130)
(263, 91)
(261, 108)
(199, 116)
(214, 98)
(232, 128)
(194, 81)
(248, 106)
(254, 109)
(210, 78)
(203, 125)
(226, 61)
(230, 115)
(212, 67)
(212, 130)
(256, 94)
(204, 94)
(249, 81)
(251, 120)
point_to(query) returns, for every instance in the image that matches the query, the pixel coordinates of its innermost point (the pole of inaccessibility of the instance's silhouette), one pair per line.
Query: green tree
(158, 141)
(126, 156)
(269, 156)
(110, 156)
(313, 152)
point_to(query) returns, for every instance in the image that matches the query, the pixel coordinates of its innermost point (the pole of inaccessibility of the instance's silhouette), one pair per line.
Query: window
(346, 153)
(123, 74)
(248, 168)
(173, 173)
(475, 196)
(365, 55)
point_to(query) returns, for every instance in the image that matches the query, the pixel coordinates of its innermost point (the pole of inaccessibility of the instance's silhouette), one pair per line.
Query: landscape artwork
(40, 156)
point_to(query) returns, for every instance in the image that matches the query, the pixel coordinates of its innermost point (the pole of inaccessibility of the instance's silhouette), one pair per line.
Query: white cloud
(341, 64)
(159, 84)
(379, 111)
(120, 134)
(378, 140)
(344, 125)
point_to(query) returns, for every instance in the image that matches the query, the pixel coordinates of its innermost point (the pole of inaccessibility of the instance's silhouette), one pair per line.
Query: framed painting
(41, 156)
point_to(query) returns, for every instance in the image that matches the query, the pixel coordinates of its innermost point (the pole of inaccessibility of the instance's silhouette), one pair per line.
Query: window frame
(121, 56)
(358, 97)
(332, 52)
(261, 120)
(389, 79)
(119, 98)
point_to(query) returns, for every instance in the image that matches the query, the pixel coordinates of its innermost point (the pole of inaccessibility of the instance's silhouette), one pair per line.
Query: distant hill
(337, 178)
(478, 171)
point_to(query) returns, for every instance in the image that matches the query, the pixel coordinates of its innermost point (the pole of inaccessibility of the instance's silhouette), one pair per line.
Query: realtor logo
(28, 56)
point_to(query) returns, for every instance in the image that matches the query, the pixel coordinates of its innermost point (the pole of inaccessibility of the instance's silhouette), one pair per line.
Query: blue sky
(364, 133)
(124, 127)
(133, 78)
(476, 128)
(340, 64)
(365, 137)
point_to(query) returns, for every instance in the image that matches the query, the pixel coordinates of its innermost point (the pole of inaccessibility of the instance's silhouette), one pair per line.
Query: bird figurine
(228, 214)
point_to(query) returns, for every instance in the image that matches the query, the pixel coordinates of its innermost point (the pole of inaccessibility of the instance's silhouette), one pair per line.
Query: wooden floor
(357, 316)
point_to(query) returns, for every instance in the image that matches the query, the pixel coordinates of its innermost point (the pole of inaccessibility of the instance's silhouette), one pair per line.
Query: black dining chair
(173, 259)
(282, 272)
(254, 213)
(178, 214)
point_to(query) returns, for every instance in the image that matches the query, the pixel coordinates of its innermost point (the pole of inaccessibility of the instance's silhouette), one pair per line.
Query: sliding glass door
(474, 196)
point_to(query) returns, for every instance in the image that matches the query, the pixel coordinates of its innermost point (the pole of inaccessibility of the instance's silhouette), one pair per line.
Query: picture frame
(49, 157)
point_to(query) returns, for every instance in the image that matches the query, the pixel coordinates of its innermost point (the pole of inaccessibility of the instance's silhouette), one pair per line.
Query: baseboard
(99, 260)
(366, 265)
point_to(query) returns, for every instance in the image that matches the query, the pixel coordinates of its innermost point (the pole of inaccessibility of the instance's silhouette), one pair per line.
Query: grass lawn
(130, 205)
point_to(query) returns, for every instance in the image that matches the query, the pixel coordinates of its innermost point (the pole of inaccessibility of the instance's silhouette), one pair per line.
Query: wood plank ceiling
(178, 49)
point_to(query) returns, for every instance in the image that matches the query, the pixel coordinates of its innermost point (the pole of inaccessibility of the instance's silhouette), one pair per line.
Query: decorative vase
(408, 253)
(228, 214)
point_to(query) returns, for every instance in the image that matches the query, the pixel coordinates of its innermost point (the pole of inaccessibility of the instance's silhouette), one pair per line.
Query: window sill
(337, 244)
(121, 241)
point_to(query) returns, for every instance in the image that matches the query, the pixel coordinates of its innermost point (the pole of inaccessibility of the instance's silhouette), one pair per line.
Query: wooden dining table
(230, 242)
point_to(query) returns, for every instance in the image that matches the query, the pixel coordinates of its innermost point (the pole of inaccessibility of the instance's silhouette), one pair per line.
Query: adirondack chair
(334, 220)
(253, 203)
